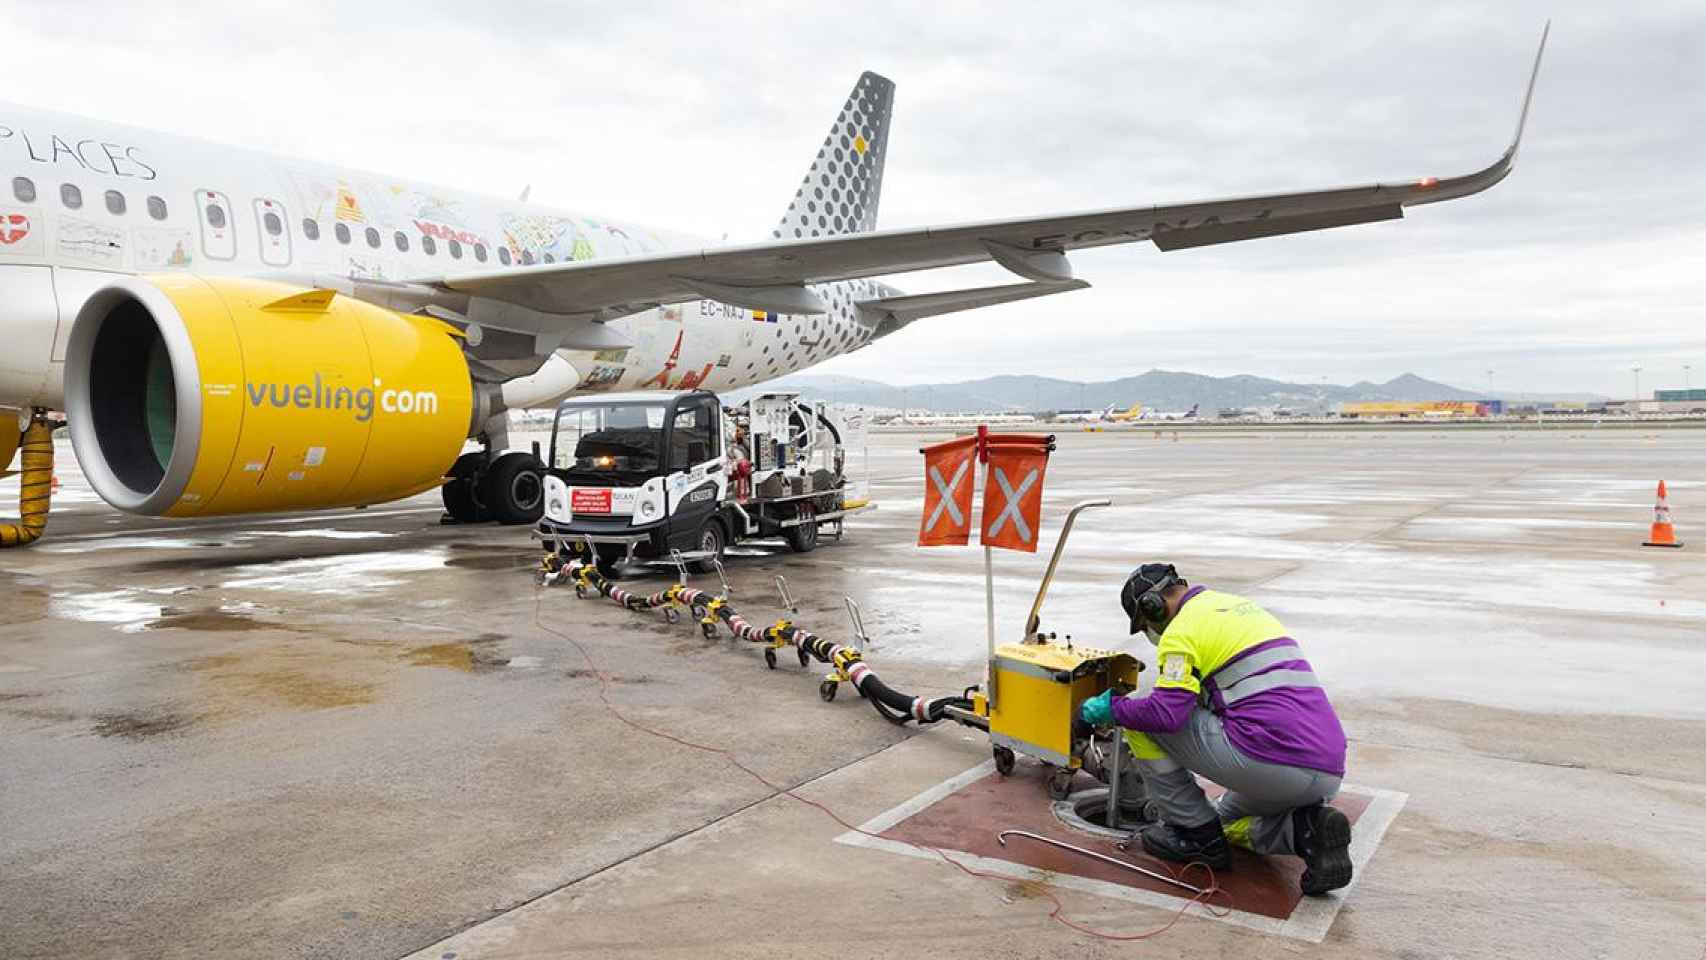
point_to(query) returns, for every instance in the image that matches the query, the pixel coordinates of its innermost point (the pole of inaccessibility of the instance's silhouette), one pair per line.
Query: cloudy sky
(1590, 258)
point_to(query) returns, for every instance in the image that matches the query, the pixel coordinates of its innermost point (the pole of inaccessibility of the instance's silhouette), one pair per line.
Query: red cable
(1056, 914)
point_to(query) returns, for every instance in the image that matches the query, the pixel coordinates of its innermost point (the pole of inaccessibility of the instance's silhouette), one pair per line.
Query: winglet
(1435, 189)
(1528, 97)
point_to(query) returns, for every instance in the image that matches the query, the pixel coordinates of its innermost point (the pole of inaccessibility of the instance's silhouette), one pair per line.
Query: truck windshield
(606, 444)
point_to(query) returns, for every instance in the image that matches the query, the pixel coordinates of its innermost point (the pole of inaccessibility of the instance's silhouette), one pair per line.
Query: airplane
(1133, 412)
(227, 331)
(1190, 414)
(1081, 416)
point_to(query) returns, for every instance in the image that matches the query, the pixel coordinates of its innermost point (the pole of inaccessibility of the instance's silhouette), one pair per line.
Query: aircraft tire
(514, 488)
(460, 492)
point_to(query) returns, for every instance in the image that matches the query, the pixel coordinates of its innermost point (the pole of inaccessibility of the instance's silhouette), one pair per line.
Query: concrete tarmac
(348, 735)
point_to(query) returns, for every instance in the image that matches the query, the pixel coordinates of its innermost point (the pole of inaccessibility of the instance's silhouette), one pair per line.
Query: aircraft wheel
(514, 488)
(461, 492)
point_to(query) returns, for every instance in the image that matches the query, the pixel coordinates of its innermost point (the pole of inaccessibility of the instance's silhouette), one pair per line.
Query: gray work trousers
(1260, 796)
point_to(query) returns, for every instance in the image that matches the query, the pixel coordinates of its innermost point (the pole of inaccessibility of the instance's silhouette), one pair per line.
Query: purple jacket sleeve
(1163, 711)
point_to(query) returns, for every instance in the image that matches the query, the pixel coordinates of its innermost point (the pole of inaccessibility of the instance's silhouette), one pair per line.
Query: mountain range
(1156, 390)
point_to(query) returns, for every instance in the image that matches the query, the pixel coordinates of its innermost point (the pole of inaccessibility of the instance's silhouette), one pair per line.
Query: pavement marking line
(1309, 921)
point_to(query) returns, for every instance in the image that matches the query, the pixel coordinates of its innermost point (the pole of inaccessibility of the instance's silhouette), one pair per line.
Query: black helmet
(1141, 595)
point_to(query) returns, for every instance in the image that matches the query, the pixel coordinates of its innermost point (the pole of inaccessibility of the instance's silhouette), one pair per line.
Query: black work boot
(1322, 837)
(1201, 844)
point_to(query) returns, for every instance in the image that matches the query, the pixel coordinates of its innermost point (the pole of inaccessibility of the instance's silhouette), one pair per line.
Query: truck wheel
(803, 537)
(461, 491)
(711, 540)
(514, 488)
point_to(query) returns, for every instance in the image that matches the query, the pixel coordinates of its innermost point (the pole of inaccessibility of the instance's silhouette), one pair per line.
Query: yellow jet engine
(193, 396)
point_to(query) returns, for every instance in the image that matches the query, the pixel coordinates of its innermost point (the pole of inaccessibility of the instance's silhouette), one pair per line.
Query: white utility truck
(665, 476)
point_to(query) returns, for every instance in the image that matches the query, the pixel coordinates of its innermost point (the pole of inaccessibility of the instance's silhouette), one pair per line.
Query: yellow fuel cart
(1030, 704)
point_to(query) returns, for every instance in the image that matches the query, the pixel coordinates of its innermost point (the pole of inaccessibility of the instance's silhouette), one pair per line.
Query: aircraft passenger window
(372, 238)
(311, 228)
(215, 216)
(455, 248)
(527, 258)
(274, 225)
(503, 256)
(157, 208)
(115, 203)
(402, 241)
(480, 252)
(342, 233)
(70, 195)
(24, 189)
(429, 246)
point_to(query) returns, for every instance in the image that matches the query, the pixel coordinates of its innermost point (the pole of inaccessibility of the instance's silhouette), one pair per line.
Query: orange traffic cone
(1664, 534)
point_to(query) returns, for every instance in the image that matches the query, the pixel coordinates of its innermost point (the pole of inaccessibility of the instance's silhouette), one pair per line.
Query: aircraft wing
(775, 275)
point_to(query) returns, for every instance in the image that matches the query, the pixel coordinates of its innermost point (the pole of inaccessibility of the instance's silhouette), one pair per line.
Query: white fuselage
(82, 200)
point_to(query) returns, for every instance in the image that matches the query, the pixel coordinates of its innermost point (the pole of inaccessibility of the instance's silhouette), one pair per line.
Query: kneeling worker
(1235, 702)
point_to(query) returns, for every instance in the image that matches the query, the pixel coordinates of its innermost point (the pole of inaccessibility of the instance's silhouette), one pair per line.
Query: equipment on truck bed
(649, 476)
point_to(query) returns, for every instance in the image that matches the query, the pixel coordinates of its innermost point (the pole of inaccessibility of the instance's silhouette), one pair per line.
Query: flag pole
(988, 570)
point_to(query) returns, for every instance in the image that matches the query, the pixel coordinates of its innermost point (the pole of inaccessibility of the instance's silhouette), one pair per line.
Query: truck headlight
(647, 508)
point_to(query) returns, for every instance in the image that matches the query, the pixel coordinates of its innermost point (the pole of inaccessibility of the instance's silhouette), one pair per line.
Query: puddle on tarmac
(24, 604)
(506, 560)
(246, 679)
(468, 656)
(216, 619)
(118, 607)
(342, 573)
(140, 726)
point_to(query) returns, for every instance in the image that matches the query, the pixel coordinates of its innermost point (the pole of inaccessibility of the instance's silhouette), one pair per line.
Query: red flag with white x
(947, 493)
(1013, 491)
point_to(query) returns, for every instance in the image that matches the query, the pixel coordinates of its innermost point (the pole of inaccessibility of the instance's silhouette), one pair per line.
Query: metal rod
(717, 564)
(1151, 874)
(1034, 620)
(989, 618)
(1113, 817)
(782, 588)
(860, 639)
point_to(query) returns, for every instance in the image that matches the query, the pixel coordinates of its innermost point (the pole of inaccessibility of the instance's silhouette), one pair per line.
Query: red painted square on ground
(969, 819)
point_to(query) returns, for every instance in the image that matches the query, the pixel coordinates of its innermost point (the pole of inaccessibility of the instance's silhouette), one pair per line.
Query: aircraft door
(32, 317)
(218, 231)
(272, 227)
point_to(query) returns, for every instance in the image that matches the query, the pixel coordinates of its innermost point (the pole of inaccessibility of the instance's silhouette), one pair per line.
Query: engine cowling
(193, 396)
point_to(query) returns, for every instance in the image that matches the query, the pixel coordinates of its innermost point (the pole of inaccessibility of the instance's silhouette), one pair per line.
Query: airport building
(1415, 410)
(1695, 395)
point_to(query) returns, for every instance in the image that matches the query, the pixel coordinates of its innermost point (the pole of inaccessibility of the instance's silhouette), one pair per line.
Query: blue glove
(1098, 711)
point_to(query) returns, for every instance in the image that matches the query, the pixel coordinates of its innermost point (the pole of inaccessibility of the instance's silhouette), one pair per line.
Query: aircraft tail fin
(840, 191)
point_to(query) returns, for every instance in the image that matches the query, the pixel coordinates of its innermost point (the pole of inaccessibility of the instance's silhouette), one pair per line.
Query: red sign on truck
(589, 500)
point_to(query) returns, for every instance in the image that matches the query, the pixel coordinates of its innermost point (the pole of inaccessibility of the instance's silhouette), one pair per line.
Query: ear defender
(1152, 605)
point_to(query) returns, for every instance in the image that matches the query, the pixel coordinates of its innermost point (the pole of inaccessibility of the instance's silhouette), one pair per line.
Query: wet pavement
(349, 734)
